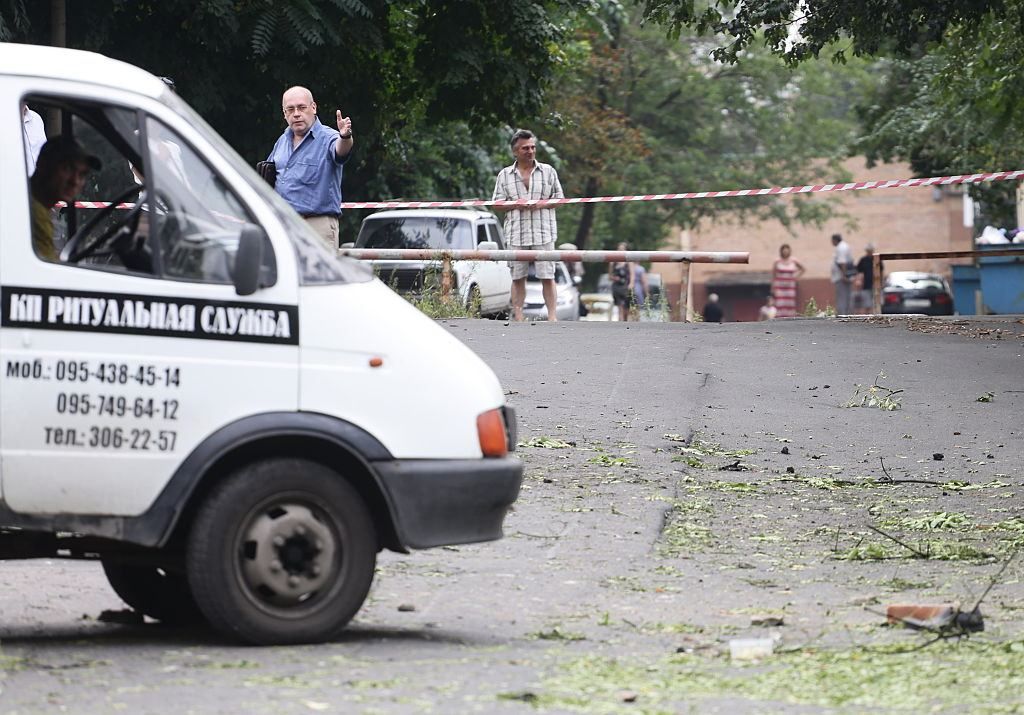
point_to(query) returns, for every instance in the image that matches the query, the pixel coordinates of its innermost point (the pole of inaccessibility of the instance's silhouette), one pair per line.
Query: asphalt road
(683, 482)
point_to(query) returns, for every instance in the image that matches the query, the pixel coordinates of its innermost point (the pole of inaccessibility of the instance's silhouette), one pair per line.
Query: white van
(195, 393)
(482, 285)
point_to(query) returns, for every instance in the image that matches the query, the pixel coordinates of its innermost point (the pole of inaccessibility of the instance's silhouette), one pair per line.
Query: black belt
(320, 215)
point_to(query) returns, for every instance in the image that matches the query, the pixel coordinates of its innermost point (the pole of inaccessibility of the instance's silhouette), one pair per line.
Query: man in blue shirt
(309, 158)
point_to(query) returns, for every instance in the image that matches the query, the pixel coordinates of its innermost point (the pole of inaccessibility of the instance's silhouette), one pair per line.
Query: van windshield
(437, 232)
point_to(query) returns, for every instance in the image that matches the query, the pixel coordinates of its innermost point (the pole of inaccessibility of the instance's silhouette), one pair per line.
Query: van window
(150, 207)
(436, 232)
(197, 218)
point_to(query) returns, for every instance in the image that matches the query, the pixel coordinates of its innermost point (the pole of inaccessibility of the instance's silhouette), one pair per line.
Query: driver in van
(61, 170)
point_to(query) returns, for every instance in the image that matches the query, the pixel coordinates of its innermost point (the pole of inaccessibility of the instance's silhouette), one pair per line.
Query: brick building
(901, 219)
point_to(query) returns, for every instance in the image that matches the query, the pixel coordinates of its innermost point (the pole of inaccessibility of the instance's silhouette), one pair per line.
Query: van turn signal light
(491, 427)
(376, 361)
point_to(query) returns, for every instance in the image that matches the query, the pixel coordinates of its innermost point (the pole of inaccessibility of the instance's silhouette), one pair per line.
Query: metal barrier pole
(876, 285)
(684, 294)
(446, 277)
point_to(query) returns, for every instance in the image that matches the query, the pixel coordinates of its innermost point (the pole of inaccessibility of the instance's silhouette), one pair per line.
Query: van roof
(75, 65)
(467, 213)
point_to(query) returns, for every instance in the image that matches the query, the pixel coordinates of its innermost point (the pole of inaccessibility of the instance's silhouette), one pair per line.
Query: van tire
(155, 592)
(283, 551)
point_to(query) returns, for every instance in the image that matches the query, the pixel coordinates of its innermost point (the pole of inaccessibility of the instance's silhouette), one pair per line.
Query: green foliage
(426, 84)
(982, 676)
(954, 109)
(797, 30)
(636, 112)
(13, 19)
(875, 395)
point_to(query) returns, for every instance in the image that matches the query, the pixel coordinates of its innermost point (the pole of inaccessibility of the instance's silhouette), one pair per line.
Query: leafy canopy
(800, 29)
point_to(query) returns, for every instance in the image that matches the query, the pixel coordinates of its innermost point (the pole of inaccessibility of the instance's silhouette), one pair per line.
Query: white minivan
(195, 393)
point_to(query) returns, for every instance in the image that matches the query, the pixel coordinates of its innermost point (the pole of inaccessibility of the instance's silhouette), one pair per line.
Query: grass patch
(557, 634)
(875, 395)
(938, 521)
(932, 549)
(970, 676)
(606, 460)
(743, 487)
(545, 443)
(685, 530)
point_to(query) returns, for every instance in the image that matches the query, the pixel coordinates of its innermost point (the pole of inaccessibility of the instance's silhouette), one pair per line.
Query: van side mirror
(248, 259)
(487, 246)
(350, 244)
(577, 279)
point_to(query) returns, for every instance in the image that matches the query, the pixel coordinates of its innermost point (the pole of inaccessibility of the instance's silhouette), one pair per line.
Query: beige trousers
(326, 227)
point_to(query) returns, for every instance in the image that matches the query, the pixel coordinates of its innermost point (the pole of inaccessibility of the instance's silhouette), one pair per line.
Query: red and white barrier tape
(770, 191)
(432, 254)
(775, 190)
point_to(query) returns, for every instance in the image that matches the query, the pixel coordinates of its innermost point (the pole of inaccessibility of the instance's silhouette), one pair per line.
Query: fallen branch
(917, 552)
(889, 480)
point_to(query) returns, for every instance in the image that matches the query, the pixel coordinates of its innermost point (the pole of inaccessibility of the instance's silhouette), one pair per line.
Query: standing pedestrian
(309, 158)
(529, 227)
(786, 271)
(713, 312)
(866, 268)
(621, 275)
(842, 275)
(641, 290)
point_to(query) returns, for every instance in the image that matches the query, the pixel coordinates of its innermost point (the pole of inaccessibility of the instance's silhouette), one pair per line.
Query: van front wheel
(282, 552)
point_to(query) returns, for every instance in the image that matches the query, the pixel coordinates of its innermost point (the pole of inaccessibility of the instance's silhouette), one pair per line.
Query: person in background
(61, 170)
(841, 275)
(866, 280)
(309, 159)
(35, 136)
(529, 227)
(768, 311)
(713, 312)
(641, 291)
(621, 275)
(786, 271)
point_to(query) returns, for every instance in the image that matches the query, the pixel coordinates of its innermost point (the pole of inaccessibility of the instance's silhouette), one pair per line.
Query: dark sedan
(913, 292)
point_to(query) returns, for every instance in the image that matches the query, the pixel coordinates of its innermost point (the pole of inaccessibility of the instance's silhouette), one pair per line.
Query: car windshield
(914, 281)
(438, 232)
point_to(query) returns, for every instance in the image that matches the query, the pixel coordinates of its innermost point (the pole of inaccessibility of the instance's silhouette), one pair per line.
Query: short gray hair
(520, 134)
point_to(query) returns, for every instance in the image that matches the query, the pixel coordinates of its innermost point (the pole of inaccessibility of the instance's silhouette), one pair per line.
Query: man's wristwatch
(346, 136)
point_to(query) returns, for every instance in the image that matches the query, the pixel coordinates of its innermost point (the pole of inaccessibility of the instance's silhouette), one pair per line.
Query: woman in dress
(786, 271)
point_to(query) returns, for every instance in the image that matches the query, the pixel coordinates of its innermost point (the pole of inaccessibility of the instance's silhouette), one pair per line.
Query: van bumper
(440, 502)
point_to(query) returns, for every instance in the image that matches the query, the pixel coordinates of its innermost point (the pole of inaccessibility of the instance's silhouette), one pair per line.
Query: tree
(637, 112)
(411, 73)
(954, 110)
(800, 29)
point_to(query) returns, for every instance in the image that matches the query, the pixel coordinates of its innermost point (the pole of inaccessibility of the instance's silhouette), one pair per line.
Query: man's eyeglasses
(292, 108)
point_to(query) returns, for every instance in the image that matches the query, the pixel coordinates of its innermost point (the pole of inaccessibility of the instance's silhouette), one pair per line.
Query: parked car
(914, 292)
(567, 295)
(600, 304)
(486, 282)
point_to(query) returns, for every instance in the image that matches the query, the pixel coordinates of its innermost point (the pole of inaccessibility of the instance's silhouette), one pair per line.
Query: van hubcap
(287, 554)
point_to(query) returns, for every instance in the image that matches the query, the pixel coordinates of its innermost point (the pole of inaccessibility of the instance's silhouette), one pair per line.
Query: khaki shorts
(542, 269)
(326, 227)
